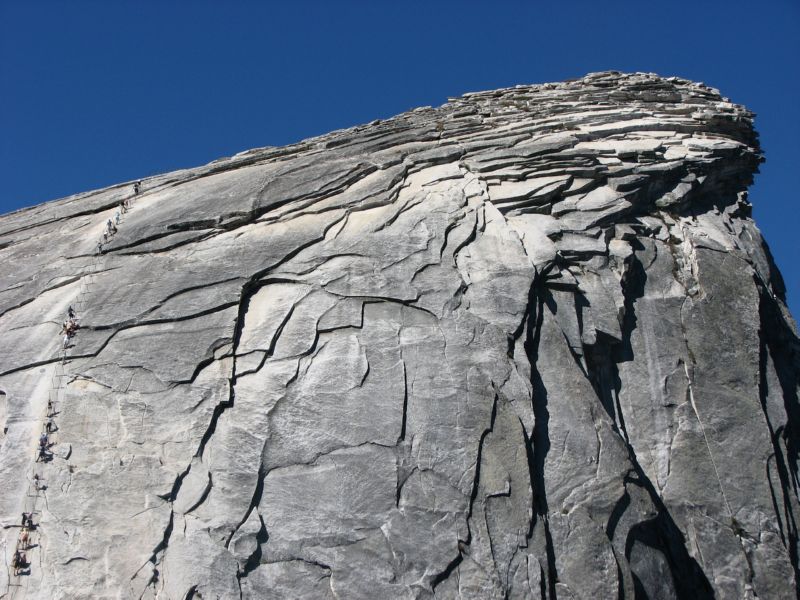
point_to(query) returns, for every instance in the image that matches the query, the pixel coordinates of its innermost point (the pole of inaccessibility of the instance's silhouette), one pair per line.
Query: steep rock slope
(528, 344)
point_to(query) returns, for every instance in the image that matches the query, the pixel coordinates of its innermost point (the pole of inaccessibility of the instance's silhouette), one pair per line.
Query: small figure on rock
(51, 426)
(44, 454)
(99, 247)
(27, 521)
(122, 206)
(71, 312)
(116, 217)
(19, 562)
(65, 343)
(24, 539)
(137, 186)
(38, 484)
(44, 449)
(70, 326)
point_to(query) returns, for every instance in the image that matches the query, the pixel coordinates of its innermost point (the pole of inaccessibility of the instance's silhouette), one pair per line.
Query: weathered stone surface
(528, 344)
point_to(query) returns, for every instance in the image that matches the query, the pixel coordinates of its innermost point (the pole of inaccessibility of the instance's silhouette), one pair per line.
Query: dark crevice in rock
(248, 290)
(402, 436)
(143, 322)
(604, 377)
(550, 302)
(662, 532)
(663, 535)
(541, 435)
(130, 249)
(472, 235)
(619, 510)
(779, 343)
(246, 294)
(159, 550)
(477, 477)
(254, 561)
(463, 544)
(448, 571)
(203, 496)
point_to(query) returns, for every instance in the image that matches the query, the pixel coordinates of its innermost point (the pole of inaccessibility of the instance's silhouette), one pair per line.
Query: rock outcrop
(528, 344)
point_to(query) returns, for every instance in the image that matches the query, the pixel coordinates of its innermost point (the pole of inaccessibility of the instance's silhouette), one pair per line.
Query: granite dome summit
(528, 344)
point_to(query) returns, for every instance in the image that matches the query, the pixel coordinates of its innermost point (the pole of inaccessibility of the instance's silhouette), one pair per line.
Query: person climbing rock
(43, 455)
(116, 217)
(122, 206)
(73, 326)
(38, 484)
(136, 187)
(51, 426)
(65, 343)
(24, 539)
(69, 327)
(99, 247)
(71, 312)
(18, 562)
(27, 521)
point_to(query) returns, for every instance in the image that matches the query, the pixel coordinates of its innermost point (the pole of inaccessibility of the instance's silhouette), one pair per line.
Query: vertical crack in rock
(247, 292)
(541, 438)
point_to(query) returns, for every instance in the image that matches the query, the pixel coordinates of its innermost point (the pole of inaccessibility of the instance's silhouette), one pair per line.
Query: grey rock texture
(528, 344)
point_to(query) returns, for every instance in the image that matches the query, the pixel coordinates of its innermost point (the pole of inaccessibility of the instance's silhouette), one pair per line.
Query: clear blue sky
(94, 93)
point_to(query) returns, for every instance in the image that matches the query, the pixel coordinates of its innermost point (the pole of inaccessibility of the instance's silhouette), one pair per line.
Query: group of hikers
(69, 328)
(20, 562)
(111, 224)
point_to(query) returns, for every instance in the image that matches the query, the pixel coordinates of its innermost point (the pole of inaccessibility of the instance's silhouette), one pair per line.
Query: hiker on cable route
(20, 562)
(70, 326)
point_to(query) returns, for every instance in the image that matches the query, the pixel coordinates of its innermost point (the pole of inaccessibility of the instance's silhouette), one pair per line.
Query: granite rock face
(528, 344)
